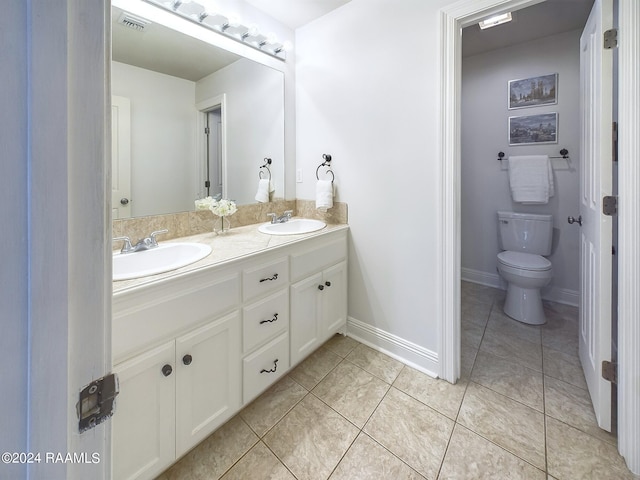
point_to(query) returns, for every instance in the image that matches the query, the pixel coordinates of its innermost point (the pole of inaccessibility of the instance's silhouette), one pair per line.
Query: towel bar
(564, 153)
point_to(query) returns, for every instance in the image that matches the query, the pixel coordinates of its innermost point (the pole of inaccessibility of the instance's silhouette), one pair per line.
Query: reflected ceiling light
(229, 26)
(495, 20)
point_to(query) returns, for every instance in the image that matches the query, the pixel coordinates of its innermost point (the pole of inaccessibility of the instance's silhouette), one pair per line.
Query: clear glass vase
(221, 225)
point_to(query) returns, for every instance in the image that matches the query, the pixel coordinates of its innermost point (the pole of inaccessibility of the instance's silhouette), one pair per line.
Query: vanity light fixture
(226, 25)
(495, 20)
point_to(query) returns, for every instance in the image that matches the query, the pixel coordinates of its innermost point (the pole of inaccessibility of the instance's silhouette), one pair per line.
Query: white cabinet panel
(207, 381)
(265, 366)
(305, 312)
(144, 424)
(265, 278)
(334, 301)
(265, 319)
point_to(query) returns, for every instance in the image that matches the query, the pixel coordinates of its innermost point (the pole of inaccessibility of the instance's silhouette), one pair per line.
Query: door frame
(452, 19)
(203, 107)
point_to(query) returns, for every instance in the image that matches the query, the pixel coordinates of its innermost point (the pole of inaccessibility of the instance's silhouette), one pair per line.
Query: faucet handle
(288, 213)
(273, 217)
(126, 246)
(152, 236)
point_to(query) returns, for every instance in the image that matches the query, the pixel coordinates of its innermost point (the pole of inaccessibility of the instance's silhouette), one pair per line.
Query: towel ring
(267, 162)
(326, 163)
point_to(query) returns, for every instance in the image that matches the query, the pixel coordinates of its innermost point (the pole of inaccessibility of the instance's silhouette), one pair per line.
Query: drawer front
(265, 366)
(265, 278)
(312, 261)
(265, 319)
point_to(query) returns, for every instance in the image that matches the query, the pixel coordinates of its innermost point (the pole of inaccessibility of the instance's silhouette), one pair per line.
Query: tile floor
(520, 411)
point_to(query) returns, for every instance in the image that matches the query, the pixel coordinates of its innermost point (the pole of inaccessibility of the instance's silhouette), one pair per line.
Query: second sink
(292, 227)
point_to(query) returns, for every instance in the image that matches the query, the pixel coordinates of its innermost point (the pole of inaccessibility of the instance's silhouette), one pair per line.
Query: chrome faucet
(285, 217)
(143, 244)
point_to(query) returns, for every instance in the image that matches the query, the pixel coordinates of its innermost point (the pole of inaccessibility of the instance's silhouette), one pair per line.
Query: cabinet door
(208, 380)
(334, 300)
(304, 316)
(144, 424)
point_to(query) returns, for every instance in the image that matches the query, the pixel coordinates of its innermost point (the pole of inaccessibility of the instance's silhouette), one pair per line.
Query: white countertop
(236, 243)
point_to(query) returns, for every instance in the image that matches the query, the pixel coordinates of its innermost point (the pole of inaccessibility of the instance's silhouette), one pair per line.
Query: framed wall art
(534, 91)
(533, 129)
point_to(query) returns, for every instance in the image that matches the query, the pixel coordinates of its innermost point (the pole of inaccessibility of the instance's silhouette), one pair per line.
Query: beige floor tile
(341, 345)
(510, 424)
(367, 460)
(501, 322)
(513, 349)
(474, 311)
(216, 454)
(555, 310)
(467, 359)
(510, 379)
(351, 392)
(471, 334)
(573, 454)
(315, 368)
(267, 410)
(259, 464)
(572, 405)
(311, 439)
(376, 363)
(470, 456)
(565, 367)
(415, 433)
(436, 393)
(477, 292)
(561, 333)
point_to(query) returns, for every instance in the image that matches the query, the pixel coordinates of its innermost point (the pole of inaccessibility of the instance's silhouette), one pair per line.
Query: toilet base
(524, 305)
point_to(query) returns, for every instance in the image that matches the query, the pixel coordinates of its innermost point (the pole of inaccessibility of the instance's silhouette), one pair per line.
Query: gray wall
(485, 186)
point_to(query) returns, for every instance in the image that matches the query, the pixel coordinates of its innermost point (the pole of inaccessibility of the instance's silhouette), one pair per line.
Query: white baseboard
(402, 350)
(553, 294)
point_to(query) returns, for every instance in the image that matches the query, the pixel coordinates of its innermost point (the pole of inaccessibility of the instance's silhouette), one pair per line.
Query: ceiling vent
(133, 22)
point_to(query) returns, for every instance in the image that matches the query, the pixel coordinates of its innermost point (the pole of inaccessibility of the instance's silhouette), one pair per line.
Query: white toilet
(525, 238)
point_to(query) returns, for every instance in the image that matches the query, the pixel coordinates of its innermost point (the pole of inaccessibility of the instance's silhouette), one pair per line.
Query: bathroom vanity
(193, 346)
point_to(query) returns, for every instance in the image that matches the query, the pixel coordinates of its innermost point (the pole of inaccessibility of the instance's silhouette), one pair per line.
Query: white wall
(485, 186)
(254, 103)
(367, 93)
(163, 139)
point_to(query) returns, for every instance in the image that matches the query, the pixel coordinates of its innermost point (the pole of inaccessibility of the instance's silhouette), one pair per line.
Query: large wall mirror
(189, 120)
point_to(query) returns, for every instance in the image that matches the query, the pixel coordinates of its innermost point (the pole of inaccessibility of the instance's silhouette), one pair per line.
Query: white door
(596, 182)
(121, 157)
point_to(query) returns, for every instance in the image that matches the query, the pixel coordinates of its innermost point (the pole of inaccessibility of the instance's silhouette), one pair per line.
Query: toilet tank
(526, 232)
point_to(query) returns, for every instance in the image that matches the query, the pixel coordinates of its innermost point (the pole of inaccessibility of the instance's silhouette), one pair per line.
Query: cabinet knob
(320, 287)
(166, 370)
(187, 359)
(328, 284)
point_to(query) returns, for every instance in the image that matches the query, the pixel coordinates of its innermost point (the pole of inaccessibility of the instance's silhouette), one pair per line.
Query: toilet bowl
(526, 274)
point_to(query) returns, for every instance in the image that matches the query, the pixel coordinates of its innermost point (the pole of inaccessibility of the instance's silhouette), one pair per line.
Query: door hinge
(610, 371)
(614, 141)
(97, 401)
(613, 250)
(207, 184)
(611, 38)
(207, 130)
(610, 205)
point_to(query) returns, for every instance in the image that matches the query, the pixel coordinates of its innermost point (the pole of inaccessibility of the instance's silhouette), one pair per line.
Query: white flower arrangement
(221, 208)
(224, 207)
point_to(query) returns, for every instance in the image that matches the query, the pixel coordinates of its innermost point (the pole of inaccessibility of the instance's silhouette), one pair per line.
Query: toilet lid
(525, 261)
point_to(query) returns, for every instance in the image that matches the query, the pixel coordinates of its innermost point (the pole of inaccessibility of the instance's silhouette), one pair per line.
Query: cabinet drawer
(265, 278)
(312, 261)
(265, 366)
(265, 319)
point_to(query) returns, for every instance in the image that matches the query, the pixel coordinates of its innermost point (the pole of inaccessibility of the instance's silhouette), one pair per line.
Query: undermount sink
(163, 258)
(292, 227)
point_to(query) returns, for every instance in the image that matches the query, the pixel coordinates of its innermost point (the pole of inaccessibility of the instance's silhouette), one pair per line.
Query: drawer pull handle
(275, 277)
(275, 367)
(187, 359)
(166, 370)
(275, 317)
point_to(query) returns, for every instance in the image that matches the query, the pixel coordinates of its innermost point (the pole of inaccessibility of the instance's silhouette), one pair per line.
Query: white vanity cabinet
(191, 349)
(319, 299)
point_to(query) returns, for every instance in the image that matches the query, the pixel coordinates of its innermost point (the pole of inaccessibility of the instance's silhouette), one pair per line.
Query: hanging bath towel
(531, 179)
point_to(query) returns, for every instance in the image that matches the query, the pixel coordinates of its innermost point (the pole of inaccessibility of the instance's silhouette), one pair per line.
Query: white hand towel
(264, 187)
(531, 179)
(324, 195)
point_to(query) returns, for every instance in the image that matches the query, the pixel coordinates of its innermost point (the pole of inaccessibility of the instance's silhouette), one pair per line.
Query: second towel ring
(267, 162)
(326, 163)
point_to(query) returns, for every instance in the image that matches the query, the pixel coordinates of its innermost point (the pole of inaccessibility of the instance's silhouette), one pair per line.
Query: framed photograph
(534, 91)
(533, 129)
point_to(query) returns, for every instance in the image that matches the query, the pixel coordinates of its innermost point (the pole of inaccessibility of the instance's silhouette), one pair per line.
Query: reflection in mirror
(169, 89)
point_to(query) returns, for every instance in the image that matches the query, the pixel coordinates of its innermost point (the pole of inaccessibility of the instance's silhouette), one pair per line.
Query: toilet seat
(524, 261)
